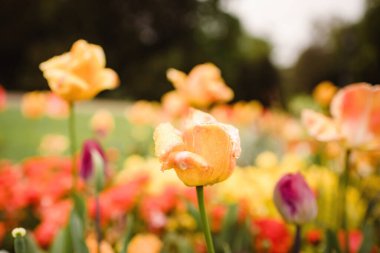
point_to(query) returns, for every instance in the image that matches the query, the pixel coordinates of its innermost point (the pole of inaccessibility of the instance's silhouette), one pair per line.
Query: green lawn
(20, 137)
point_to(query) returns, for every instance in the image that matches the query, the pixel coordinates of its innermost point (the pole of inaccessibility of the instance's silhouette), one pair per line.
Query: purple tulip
(87, 162)
(294, 199)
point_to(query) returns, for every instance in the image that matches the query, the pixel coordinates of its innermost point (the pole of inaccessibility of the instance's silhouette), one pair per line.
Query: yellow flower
(324, 93)
(145, 243)
(79, 74)
(204, 153)
(203, 86)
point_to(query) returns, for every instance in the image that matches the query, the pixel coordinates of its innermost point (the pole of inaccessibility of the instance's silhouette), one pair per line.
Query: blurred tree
(351, 54)
(141, 41)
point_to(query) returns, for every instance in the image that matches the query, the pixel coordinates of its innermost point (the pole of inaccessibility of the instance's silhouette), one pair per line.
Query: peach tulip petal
(214, 144)
(167, 139)
(191, 168)
(356, 109)
(107, 79)
(319, 126)
(94, 53)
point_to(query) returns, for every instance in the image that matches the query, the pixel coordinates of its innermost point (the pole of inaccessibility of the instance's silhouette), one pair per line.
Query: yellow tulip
(79, 74)
(203, 86)
(204, 153)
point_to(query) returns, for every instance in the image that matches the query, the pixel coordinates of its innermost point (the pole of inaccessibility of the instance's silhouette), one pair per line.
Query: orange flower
(204, 153)
(355, 112)
(79, 74)
(203, 86)
(145, 243)
(33, 104)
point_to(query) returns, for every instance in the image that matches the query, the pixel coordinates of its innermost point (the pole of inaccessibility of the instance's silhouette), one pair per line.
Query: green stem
(206, 228)
(345, 182)
(72, 144)
(297, 240)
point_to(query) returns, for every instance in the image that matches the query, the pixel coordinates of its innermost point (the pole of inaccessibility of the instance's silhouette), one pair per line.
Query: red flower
(355, 239)
(271, 236)
(314, 236)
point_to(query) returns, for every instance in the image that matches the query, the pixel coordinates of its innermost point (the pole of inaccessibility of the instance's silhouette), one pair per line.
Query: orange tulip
(203, 86)
(355, 112)
(79, 74)
(145, 243)
(204, 153)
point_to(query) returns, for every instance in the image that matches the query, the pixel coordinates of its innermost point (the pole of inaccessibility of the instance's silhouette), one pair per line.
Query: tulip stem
(345, 182)
(72, 144)
(297, 240)
(202, 210)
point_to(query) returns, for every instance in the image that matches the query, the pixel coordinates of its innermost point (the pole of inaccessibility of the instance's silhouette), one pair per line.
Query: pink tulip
(294, 199)
(87, 166)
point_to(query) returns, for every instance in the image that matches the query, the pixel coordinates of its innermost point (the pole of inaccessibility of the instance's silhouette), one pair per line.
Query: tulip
(355, 120)
(203, 86)
(294, 199)
(296, 203)
(93, 163)
(79, 74)
(204, 153)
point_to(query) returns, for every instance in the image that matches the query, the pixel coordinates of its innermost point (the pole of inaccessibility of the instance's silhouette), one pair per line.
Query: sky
(290, 25)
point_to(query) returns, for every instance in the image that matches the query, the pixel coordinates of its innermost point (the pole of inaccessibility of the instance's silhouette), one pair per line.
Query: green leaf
(77, 233)
(368, 238)
(127, 233)
(79, 206)
(228, 222)
(62, 242)
(31, 244)
(195, 213)
(332, 243)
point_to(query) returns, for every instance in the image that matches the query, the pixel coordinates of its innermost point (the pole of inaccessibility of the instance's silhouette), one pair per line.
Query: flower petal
(214, 144)
(319, 126)
(191, 168)
(167, 139)
(356, 109)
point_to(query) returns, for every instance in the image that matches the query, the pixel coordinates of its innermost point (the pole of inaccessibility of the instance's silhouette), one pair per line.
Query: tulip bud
(294, 199)
(93, 163)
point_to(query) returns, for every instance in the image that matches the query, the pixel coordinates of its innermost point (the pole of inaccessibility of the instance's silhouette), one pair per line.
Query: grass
(20, 136)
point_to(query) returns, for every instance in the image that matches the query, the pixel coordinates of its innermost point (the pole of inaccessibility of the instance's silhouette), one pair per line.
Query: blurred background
(267, 50)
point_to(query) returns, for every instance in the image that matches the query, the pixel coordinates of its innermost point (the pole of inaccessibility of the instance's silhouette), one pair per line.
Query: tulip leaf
(62, 242)
(228, 222)
(368, 239)
(77, 234)
(79, 207)
(332, 243)
(195, 213)
(128, 232)
(31, 244)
